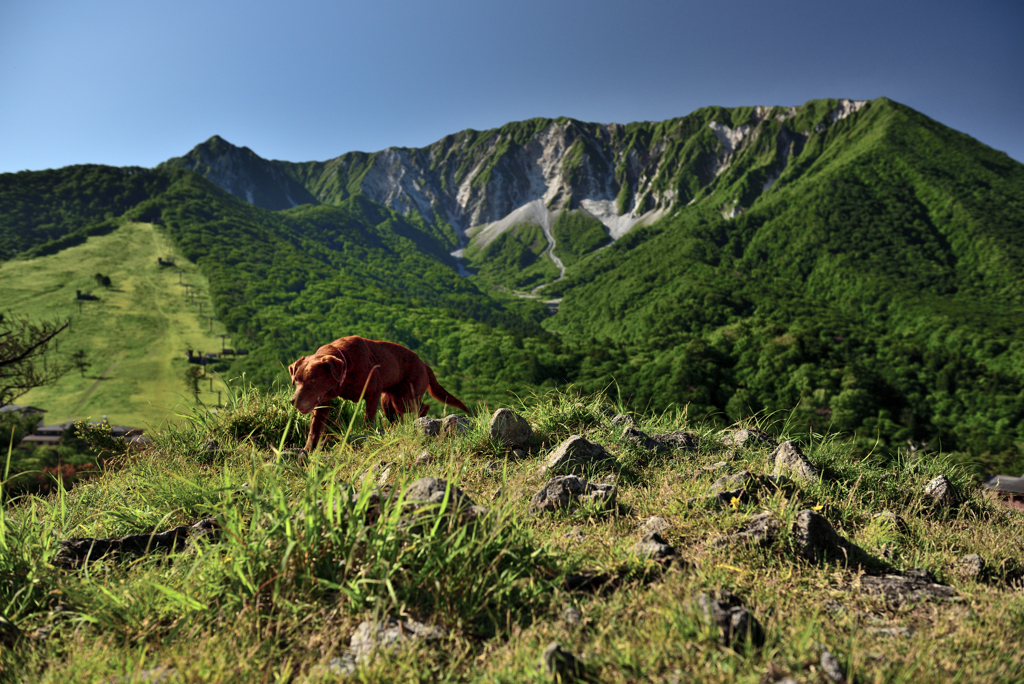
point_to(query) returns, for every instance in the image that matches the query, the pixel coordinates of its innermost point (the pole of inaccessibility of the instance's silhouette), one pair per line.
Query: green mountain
(854, 264)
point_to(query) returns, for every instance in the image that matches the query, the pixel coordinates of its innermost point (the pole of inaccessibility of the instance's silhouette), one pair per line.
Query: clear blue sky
(134, 83)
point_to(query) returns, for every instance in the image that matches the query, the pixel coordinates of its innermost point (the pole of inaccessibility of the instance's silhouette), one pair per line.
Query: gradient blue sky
(134, 83)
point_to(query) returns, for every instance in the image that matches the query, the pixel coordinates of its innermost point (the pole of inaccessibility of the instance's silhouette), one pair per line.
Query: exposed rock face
(735, 622)
(569, 490)
(559, 664)
(573, 455)
(478, 182)
(654, 546)
(816, 538)
(790, 460)
(761, 530)
(752, 437)
(510, 429)
(75, 552)
(913, 585)
(942, 493)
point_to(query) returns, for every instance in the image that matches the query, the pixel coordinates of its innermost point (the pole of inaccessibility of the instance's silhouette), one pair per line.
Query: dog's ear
(338, 368)
(292, 368)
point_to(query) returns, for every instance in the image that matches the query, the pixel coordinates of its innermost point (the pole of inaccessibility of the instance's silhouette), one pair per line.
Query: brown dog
(353, 367)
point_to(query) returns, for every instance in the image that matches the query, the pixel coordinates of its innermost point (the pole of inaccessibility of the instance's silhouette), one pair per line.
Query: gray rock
(831, 667)
(815, 538)
(622, 419)
(735, 622)
(572, 617)
(789, 460)
(424, 459)
(162, 674)
(971, 566)
(510, 429)
(654, 524)
(373, 636)
(454, 425)
(430, 427)
(635, 437)
(740, 480)
(492, 467)
(749, 438)
(573, 455)
(519, 453)
(680, 439)
(761, 530)
(942, 493)
(913, 585)
(569, 490)
(654, 546)
(894, 632)
(559, 664)
(430, 491)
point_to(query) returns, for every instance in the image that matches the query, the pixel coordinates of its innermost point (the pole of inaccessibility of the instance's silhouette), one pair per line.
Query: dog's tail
(441, 394)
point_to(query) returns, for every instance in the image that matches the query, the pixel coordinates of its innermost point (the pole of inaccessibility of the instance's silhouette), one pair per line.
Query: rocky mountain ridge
(482, 183)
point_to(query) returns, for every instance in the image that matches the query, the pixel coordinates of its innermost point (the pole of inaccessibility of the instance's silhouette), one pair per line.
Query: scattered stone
(455, 425)
(831, 667)
(559, 664)
(622, 419)
(680, 439)
(749, 438)
(383, 473)
(815, 538)
(654, 547)
(971, 566)
(761, 530)
(790, 460)
(162, 674)
(637, 438)
(572, 617)
(372, 637)
(424, 459)
(740, 480)
(573, 455)
(431, 491)
(891, 631)
(591, 581)
(913, 585)
(567, 490)
(519, 453)
(735, 622)
(73, 553)
(890, 518)
(510, 429)
(654, 524)
(427, 426)
(942, 493)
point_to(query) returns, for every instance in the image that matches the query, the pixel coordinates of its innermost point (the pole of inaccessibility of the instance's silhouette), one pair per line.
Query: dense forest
(874, 290)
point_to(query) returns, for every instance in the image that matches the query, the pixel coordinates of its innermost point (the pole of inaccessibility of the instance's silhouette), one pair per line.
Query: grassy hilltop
(301, 554)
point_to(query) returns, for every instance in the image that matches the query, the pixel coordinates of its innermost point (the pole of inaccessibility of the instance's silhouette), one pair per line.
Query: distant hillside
(853, 264)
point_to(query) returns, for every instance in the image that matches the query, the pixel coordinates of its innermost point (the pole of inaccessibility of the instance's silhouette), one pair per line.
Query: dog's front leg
(317, 427)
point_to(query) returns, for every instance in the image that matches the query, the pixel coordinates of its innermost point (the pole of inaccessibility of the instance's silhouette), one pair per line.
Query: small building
(52, 435)
(1006, 488)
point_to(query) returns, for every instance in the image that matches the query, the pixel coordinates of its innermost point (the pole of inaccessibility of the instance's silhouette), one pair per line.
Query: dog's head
(314, 378)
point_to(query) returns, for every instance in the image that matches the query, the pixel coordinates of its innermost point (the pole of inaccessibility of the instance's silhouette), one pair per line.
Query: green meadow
(136, 335)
